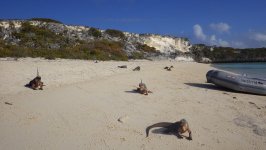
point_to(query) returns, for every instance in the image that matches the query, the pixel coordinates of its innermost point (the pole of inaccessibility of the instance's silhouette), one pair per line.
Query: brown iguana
(36, 83)
(176, 128)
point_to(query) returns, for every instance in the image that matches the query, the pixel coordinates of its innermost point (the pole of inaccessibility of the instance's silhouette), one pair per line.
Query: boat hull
(237, 82)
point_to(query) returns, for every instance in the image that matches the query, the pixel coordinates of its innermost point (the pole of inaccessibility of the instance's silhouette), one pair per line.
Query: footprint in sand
(123, 119)
(254, 105)
(245, 121)
(8, 103)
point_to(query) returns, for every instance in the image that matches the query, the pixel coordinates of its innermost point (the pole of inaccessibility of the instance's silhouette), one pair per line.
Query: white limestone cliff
(164, 44)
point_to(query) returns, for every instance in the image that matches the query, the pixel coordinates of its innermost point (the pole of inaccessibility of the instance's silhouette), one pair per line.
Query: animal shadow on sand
(163, 131)
(28, 86)
(133, 91)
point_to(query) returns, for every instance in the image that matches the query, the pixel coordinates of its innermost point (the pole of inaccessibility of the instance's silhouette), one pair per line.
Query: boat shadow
(210, 87)
(217, 88)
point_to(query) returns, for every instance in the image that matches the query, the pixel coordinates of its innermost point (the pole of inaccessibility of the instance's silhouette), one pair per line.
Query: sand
(87, 105)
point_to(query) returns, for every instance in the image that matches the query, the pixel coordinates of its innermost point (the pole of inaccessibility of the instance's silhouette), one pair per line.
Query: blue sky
(235, 23)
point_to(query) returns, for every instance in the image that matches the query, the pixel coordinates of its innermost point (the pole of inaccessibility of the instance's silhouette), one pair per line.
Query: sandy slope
(80, 106)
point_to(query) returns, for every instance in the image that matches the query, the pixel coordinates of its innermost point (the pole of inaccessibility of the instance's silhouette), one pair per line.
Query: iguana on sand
(176, 128)
(36, 83)
(142, 89)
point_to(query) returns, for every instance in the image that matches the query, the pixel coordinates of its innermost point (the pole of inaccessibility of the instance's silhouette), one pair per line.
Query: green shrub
(115, 33)
(37, 37)
(50, 57)
(137, 55)
(45, 20)
(95, 32)
(107, 50)
(186, 39)
(227, 54)
(146, 48)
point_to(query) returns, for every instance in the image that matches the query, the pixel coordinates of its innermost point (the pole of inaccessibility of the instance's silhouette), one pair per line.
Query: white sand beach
(82, 101)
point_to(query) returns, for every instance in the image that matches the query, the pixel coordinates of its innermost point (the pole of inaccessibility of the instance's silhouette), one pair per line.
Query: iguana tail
(37, 72)
(160, 124)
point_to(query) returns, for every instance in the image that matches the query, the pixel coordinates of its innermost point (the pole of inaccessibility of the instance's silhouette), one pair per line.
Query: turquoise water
(250, 69)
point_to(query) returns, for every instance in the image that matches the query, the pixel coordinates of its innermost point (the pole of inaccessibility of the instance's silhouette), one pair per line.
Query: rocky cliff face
(166, 44)
(10, 32)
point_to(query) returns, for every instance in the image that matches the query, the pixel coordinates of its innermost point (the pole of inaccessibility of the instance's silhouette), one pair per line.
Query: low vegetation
(45, 20)
(95, 32)
(37, 37)
(39, 41)
(115, 33)
(101, 50)
(146, 48)
(228, 54)
(143, 51)
(137, 55)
